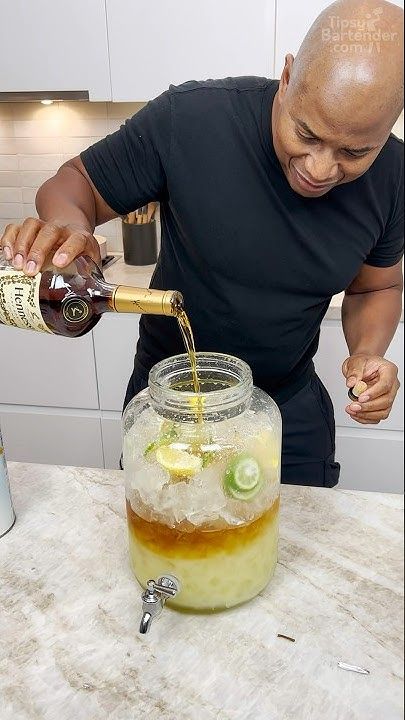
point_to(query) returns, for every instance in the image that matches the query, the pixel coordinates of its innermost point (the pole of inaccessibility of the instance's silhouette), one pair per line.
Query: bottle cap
(359, 388)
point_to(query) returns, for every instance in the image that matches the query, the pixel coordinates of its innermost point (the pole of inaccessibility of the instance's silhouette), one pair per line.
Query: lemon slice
(264, 448)
(178, 463)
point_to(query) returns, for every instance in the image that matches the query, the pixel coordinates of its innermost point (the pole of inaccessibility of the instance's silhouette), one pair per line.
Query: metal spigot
(154, 598)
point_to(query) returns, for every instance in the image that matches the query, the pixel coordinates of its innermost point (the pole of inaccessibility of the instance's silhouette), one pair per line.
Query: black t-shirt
(257, 263)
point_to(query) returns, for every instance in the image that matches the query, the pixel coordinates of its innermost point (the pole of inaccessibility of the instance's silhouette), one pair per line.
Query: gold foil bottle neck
(128, 299)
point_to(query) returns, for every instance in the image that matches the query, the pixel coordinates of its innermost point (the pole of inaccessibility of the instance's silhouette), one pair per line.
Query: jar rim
(226, 368)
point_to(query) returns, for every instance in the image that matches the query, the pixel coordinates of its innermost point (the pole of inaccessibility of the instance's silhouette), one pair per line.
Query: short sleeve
(128, 167)
(389, 249)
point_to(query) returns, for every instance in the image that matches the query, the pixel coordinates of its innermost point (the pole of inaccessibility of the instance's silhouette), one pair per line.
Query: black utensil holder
(140, 243)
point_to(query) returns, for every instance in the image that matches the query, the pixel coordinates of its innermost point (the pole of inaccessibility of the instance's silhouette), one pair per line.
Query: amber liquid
(188, 338)
(218, 567)
(196, 543)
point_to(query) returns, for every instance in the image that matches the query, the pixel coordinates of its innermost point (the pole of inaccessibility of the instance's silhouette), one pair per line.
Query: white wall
(36, 139)
(293, 20)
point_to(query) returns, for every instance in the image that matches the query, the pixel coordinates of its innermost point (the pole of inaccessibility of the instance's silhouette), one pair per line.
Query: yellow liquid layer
(217, 569)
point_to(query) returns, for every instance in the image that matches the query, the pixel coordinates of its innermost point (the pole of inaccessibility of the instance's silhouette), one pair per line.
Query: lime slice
(243, 477)
(178, 463)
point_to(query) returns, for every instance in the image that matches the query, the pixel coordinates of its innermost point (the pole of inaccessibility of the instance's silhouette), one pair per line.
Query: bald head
(339, 98)
(352, 56)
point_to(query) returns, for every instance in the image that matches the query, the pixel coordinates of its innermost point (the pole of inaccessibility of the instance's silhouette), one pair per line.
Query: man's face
(322, 142)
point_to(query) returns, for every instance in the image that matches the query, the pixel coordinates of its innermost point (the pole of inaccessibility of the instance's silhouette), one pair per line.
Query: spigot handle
(154, 598)
(170, 592)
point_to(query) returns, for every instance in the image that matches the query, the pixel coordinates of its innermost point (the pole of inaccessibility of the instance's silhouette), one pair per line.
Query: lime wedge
(243, 477)
(168, 434)
(178, 463)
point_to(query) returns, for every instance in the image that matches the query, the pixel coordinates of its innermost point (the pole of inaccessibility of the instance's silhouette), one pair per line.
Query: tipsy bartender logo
(357, 36)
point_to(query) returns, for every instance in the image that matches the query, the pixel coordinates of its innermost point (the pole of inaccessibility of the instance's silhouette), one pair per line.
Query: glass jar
(203, 481)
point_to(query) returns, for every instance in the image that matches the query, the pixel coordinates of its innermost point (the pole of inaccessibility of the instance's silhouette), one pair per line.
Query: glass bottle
(202, 477)
(71, 301)
(7, 516)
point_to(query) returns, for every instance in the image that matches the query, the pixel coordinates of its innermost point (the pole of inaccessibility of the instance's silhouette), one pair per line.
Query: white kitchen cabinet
(58, 437)
(371, 456)
(112, 439)
(294, 19)
(158, 43)
(42, 369)
(370, 460)
(115, 341)
(55, 45)
(328, 361)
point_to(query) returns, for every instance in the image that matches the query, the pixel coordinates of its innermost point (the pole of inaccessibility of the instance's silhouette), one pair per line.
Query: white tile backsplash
(6, 129)
(109, 229)
(39, 162)
(85, 127)
(8, 146)
(36, 129)
(96, 110)
(28, 194)
(38, 146)
(6, 111)
(123, 110)
(34, 179)
(8, 162)
(29, 210)
(10, 194)
(10, 179)
(75, 145)
(35, 140)
(115, 124)
(10, 210)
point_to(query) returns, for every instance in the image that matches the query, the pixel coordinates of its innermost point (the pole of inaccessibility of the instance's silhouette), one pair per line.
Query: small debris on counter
(286, 637)
(353, 668)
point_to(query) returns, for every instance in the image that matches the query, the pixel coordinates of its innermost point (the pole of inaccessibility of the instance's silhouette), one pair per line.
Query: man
(274, 196)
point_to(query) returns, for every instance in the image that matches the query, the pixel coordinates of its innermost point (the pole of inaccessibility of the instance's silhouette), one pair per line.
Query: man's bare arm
(371, 309)
(370, 313)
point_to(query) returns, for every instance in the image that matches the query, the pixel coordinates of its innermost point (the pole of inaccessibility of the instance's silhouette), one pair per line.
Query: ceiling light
(46, 102)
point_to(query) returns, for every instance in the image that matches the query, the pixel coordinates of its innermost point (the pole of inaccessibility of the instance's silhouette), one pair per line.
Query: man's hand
(381, 377)
(29, 244)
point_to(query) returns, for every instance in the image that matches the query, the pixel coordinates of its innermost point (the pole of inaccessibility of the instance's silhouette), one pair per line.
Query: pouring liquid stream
(188, 338)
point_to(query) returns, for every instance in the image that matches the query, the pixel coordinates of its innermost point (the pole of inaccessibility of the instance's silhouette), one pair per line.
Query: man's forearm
(67, 199)
(370, 319)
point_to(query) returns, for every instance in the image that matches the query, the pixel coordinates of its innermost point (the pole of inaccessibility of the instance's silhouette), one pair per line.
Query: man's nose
(322, 167)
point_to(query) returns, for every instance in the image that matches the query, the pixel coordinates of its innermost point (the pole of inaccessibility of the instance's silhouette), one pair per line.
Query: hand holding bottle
(27, 245)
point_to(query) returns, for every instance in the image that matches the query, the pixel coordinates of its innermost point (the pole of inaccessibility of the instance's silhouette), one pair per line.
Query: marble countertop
(70, 610)
(121, 274)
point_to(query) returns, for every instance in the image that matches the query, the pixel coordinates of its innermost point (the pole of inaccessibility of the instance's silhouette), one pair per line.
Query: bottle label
(19, 300)
(75, 310)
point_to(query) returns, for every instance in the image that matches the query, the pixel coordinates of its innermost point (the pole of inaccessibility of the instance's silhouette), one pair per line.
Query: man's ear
(286, 75)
